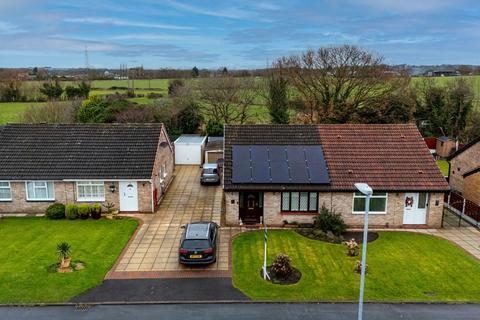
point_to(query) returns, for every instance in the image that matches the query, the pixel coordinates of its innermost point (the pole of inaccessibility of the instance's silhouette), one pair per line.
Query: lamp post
(367, 191)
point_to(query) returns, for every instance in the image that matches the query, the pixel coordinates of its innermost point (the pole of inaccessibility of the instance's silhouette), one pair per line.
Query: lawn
(12, 111)
(29, 247)
(402, 266)
(443, 166)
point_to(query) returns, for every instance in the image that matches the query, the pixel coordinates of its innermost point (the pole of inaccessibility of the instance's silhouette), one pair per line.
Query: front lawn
(28, 247)
(402, 266)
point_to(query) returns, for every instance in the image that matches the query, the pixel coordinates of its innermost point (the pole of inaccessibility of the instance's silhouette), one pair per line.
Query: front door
(251, 207)
(128, 196)
(415, 208)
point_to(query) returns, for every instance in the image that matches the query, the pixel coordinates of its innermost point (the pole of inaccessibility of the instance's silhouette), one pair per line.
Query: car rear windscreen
(195, 244)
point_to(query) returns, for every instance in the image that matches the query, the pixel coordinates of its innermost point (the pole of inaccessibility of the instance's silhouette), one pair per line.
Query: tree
(95, 110)
(227, 99)
(195, 72)
(189, 118)
(472, 127)
(84, 89)
(72, 92)
(136, 115)
(175, 85)
(445, 109)
(53, 90)
(214, 128)
(52, 112)
(335, 83)
(224, 71)
(277, 98)
(10, 91)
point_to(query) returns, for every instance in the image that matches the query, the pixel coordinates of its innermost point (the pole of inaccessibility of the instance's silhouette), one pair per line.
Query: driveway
(153, 251)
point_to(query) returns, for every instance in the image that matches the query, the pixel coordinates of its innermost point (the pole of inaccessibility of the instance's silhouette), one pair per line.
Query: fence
(465, 209)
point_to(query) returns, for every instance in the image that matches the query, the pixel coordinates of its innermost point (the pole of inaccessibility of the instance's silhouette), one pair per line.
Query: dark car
(198, 244)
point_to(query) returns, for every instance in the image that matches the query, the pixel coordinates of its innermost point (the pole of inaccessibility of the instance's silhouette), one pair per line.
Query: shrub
(55, 211)
(174, 86)
(281, 267)
(63, 250)
(189, 118)
(154, 95)
(96, 211)
(71, 211)
(330, 221)
(214, 128)
(83, 211)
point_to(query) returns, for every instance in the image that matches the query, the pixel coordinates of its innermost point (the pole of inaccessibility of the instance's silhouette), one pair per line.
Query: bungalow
(278, 173)
(130, 165)
(464, 175)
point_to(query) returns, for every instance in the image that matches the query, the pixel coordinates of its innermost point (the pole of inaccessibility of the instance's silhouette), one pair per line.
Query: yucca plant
(64, 252)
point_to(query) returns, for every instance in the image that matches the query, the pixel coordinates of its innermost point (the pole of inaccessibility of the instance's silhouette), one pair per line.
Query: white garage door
(188, 154)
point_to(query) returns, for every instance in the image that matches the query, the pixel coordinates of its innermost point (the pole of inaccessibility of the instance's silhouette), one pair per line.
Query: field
(11, 112)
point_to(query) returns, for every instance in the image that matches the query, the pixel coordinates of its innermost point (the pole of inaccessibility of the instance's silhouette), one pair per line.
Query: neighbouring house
(130, 165)
(214, 149)
(286, 173)
(189, 149)
(464, 175)
(445, 147)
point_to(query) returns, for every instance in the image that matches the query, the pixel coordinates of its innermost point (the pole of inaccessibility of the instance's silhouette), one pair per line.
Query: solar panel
(281, 164)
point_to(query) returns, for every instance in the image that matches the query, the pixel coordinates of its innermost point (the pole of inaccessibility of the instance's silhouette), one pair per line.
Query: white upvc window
(40, 190)
(5, 191)
(90, 191)
(378, 203)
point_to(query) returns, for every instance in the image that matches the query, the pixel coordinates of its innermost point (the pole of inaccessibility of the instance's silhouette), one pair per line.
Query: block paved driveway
(153, 251)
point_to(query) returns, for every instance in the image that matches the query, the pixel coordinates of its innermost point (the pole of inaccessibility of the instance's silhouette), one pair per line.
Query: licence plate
(195, 256)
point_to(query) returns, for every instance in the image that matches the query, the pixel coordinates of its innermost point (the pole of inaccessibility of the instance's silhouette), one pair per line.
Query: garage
(189, 149)
(214, 149)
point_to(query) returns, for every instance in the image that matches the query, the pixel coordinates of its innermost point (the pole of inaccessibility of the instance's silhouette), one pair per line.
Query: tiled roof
(388, 157)
(78, 151)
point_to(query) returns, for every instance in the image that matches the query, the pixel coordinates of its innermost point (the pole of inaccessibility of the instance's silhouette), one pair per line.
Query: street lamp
(367, 191)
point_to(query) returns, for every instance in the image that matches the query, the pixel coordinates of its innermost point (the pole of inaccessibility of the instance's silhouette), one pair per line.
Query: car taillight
(209, 250)
(183, 251)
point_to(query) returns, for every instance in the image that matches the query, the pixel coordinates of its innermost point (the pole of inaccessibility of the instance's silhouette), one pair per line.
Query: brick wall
(340, 202)
(464, 162)
(471, 190)
(65, 192)
(165, 155)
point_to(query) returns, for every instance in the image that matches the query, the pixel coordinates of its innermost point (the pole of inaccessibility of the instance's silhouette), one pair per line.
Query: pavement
(153, 251)
(234, 311)
(146, 290)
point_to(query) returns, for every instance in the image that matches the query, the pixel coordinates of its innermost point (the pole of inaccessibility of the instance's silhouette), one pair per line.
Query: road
(267, 311)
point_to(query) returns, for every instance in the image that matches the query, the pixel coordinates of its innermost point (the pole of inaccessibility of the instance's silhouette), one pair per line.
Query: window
(163, 172)
(90, 191)
(40, 190)
(422, 200)
(378, 203)
(300, 201)
(5, 191)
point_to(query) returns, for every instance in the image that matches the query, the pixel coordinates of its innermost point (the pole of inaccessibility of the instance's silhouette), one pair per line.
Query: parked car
(198, 244)
(210, 174)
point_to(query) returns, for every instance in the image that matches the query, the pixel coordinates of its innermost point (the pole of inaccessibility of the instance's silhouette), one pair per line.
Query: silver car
(210, 174)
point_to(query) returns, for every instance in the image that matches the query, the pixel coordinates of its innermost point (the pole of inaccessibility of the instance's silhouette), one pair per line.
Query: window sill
(299, 213)
(5, 200)
(369, 213)
(91, 200)
(40, 200)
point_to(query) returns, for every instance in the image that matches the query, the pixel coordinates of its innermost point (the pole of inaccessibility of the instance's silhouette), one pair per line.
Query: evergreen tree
(277, 101)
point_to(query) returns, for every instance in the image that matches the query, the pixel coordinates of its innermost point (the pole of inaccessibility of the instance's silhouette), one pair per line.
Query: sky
(237, 34)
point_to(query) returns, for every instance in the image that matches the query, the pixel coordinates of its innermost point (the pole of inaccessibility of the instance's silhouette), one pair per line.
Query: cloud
(408, 6)
(231, 13)
(126, 23)
(8, 28)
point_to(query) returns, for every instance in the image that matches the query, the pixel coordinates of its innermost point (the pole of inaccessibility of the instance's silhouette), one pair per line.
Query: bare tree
(337, 82)
(227, 99)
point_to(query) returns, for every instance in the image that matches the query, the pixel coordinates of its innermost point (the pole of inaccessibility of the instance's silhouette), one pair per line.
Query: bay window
(40, 191)
(378, 203)
(90, 191)
(299, 201)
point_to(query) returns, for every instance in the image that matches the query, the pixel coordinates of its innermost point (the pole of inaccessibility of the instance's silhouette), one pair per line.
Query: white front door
(128, 196)
(415, 208)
